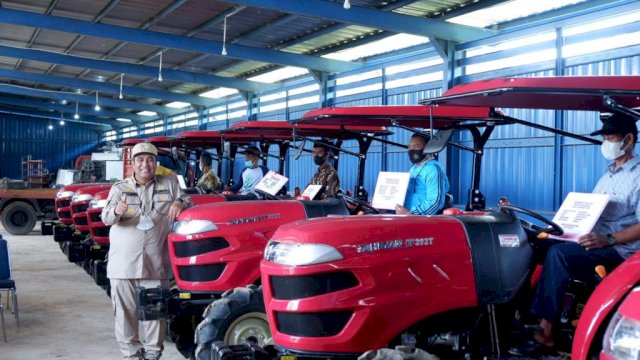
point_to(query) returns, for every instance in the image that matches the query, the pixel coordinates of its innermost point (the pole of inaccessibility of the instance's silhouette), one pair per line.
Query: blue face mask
(248, 163)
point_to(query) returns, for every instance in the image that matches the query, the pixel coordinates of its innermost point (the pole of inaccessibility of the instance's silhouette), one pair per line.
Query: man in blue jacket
(428, 184)
(251, 174)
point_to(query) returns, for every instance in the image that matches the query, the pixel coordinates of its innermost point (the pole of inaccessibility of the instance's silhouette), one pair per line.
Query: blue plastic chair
(7, 284)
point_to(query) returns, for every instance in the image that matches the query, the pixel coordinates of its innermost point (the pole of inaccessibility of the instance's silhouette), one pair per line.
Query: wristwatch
(611, 240)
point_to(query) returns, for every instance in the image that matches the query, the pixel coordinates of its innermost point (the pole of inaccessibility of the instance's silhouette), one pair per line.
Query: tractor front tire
(238, 316)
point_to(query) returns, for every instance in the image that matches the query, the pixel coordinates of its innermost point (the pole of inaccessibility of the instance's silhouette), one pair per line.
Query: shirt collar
(136, 183)
(632, 163)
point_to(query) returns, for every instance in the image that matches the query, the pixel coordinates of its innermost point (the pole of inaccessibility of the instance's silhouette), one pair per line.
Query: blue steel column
(558, 141)
(385, 101)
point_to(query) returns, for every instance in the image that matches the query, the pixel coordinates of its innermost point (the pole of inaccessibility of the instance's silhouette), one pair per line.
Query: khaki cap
(144, 148)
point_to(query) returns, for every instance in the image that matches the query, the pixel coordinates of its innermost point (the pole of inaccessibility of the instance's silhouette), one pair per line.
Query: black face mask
(415, 156)
(318, 160)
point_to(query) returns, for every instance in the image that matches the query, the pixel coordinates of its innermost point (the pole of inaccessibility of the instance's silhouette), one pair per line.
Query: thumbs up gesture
(122, 206)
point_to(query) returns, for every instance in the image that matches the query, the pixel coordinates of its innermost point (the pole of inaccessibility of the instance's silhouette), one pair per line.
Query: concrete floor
(63, 314)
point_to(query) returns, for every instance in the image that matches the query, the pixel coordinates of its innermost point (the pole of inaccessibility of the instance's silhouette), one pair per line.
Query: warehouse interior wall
(21, 136)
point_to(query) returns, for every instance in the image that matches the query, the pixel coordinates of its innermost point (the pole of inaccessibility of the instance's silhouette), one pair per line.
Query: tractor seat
(322, 208)
(448, 202)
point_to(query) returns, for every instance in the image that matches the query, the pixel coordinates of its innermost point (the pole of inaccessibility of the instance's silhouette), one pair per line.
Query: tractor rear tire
(19, 218)
(238, 316)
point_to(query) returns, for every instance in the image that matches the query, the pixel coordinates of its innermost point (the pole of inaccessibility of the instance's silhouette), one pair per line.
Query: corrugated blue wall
(22, 136)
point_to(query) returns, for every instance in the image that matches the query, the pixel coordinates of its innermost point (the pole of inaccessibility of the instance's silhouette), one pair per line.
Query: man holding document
(614, 237)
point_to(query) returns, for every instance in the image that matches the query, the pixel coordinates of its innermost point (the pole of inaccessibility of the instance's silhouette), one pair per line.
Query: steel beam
(70, 109)
(126, 68)
(376, 19)
(25, 18)
(94, 124)
(105, 87)
(87, 99)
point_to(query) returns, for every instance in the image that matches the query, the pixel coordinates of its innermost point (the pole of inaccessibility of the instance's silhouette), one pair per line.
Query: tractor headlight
(622, 338)
(300, 254)
(64, 194)
(83, 197)
(190, 227)
(97, 203)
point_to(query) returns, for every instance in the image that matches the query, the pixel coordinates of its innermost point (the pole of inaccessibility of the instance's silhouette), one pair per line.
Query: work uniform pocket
(162, 203)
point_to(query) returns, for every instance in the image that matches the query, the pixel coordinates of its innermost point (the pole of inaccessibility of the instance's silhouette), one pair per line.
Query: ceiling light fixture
(224, 37)
(346, 5)
(76, 115)
(160, 68)
(61, 119)
(50, 127)
(121, 81)
(97, 107)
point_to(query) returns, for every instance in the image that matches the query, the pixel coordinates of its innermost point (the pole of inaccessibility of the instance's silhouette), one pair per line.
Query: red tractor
(609, 326)
(450, 284)
(217, 247)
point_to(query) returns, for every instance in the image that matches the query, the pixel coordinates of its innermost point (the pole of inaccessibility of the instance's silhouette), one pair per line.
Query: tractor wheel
(399, 353)
(181, 330)
(19, 218)
(238, 316)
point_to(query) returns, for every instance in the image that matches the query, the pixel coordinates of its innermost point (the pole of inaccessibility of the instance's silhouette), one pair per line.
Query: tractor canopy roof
(161, 141)
(415, 116)
(594, 93)
(285, 131)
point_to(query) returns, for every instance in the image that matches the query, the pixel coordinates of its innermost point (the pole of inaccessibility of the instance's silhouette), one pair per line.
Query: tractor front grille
(300, 287)
(64, 203)
(81, 221)
(96, 217)
(321, 324)
(65, 215)
(198, 273)
(197, 247)
(101, 231)
(79, 208)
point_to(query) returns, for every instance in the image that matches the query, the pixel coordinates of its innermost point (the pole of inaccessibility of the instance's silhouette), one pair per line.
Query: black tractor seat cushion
(322, 208)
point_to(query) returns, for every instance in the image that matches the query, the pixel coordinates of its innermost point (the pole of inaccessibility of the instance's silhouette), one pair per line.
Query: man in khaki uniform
(141, 210)
(208, 180)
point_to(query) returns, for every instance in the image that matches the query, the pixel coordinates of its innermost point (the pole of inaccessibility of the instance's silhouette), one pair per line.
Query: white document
(578, 214)
(272, 182)
(391, 189)
(311, 191)
(181, 182)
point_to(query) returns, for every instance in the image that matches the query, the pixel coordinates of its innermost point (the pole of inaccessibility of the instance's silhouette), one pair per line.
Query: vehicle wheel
(399, 353)
(19, 218)
(181, 331)
(238, 316)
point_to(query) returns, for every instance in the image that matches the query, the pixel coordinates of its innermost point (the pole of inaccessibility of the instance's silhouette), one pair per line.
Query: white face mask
(612, 150)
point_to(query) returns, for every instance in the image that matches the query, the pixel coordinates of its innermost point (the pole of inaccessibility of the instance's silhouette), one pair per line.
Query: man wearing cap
(140, 210)
(251, 174)
(614, 238)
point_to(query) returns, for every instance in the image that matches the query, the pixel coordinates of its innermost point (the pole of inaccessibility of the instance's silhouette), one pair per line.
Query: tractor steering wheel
(266, 195)
(555, 228)
(359, 204)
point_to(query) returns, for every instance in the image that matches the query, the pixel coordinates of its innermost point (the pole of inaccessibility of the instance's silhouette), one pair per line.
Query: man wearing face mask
(140, 210)
(326, 175)
(251, 174)
(614, 238)
(208, 180)
(428, 183)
